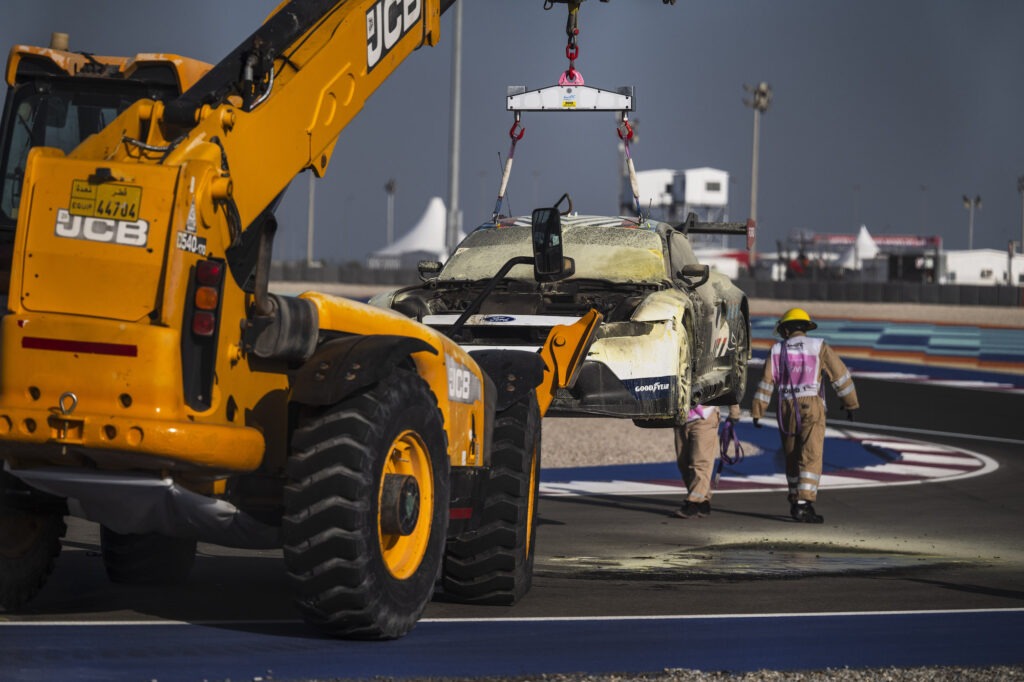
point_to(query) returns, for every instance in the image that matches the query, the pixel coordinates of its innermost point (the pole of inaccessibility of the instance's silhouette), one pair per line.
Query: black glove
(757, 423)
(849, 415)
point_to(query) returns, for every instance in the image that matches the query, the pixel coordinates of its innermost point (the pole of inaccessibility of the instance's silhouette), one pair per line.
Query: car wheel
(366, 509)
(146, 559)
(735, 386)
(494, 564)
(29, 546)
(738, 375)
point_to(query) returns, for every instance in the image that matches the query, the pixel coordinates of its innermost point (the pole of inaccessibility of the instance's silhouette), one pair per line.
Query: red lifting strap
(629, 131)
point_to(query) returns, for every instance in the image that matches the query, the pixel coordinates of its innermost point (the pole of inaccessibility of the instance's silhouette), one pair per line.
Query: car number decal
(720, 345)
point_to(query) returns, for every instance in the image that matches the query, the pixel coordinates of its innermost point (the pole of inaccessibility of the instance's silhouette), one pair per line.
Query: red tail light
(206, 301)
(204, 323)
(209, 272)
(200, 326)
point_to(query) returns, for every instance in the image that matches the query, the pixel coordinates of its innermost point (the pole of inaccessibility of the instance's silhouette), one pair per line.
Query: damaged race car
(674, 335)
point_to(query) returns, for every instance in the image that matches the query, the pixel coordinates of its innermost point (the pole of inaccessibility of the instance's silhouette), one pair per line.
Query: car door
(702, 299)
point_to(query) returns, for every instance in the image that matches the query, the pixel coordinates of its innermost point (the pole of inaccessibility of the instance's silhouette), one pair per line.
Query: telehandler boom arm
(277, 103)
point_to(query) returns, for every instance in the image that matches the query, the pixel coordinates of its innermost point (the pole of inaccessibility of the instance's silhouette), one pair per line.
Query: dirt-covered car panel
(614, 251)
(635, 366)
(664, 344)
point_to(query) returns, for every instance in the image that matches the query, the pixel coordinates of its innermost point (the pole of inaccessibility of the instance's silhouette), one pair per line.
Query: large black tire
(355, 571)
(146, 559)
(494, 564)
(29, 545)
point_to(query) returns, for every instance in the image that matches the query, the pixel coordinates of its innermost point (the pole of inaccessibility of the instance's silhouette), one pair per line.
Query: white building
(670, 195)
(982, 266)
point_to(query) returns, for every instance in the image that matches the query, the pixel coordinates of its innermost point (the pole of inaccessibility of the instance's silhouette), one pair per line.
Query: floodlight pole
(924, 208)
(455, 131)
(970, 205)
(1020, 190)
(310, 220)
(389, 188)
(760, 98)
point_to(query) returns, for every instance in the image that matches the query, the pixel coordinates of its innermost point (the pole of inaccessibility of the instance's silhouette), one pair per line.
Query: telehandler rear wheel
(146, 559)
(366, 509)
(494, 564)
(29, 544)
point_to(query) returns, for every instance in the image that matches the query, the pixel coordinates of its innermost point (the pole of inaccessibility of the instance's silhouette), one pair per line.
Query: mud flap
(343, 366)
(514, 372)
(467, 499)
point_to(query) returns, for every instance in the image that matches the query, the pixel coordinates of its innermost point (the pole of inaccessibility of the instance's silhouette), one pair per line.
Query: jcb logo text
(126, 232)
(463, 387)
(386, 22)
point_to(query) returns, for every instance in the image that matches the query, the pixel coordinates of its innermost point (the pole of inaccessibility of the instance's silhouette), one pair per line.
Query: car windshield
(613, 253)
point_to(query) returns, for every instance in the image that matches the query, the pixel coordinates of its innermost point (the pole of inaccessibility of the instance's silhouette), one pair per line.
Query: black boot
(689, 510)
(804, 513)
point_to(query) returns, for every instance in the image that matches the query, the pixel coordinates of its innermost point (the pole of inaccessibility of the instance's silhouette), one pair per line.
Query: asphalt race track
(919, 562)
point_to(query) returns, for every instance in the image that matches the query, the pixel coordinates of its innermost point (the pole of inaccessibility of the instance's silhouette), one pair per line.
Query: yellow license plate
(109, 200)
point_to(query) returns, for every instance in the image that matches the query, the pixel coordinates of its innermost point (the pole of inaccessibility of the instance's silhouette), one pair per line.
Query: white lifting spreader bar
(569, 98)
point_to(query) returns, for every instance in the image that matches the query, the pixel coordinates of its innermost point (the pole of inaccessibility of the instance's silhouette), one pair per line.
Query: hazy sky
(885, 112)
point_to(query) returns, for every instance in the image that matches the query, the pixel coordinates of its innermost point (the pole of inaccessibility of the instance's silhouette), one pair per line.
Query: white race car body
(666, 343)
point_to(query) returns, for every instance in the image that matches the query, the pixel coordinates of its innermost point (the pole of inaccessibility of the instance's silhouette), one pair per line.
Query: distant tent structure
(425, 241)
(862, 249)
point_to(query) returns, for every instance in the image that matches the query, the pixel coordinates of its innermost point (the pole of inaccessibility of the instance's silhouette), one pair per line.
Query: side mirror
(428, 269)
(549, 265)
(689, 272)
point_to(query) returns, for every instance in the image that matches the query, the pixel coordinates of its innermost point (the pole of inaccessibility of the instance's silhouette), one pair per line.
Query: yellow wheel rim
(407, 456)
(530, 505)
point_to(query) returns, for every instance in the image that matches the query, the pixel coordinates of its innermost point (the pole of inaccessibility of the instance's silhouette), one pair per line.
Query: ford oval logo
(499, 318)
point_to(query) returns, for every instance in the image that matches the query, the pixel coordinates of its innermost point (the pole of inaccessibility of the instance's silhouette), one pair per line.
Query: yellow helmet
(796, 318)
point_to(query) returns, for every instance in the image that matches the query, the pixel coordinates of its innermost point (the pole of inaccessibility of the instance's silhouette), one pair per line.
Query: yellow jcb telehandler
(151, 383)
